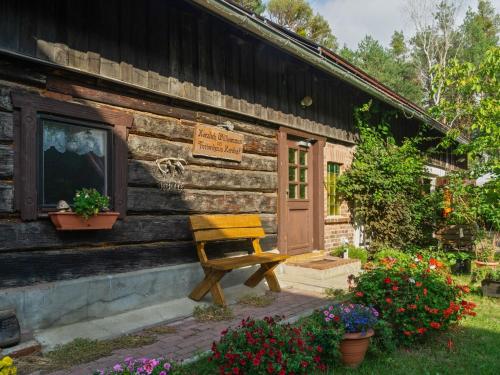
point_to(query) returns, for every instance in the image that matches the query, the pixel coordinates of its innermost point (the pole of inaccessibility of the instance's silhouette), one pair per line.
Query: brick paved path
(192, 337)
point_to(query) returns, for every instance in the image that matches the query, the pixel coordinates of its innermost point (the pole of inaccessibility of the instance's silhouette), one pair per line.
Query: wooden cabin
(98, 93)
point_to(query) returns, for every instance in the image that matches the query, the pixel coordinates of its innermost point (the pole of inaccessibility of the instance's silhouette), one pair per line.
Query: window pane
(292, 173)
(292, 156)
(292, 191)
(303, 158)
(333, 171)
(73, 157)
(303, 174)
(303, 191)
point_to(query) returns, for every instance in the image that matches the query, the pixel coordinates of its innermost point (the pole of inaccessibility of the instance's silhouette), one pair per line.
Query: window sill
(337, 219)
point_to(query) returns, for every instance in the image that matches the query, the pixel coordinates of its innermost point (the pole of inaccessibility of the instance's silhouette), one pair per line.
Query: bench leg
(266, 270)
(210, 283)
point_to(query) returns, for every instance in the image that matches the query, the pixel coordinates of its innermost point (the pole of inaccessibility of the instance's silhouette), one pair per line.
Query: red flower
(387, 280)
(425, 291)
(256, 361)
(420, 257)
(401, 309)
(282, 372)
(388, 300)
(418, 284)
(407, 333)
(395, 287)
(304, 364)
(435, 325)
(336, 318)
(449, 281)
(359, 294)
(421, 330)
(236, 370)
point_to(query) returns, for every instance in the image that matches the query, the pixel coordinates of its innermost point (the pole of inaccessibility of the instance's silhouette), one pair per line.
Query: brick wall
(339, 226)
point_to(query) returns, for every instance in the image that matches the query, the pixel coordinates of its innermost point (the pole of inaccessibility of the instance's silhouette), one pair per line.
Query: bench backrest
(225, 227)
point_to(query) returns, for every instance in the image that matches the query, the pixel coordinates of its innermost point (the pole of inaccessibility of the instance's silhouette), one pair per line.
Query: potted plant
(485, 255)
(357, 322)
(490, 281)
(91, 211)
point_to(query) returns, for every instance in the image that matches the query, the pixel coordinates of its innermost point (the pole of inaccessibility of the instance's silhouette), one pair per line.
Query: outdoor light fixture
(306, 101)
(307, 143)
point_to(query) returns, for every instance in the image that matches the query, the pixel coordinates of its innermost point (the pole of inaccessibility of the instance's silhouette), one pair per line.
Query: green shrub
(416, 297)
(353, 251)
(389, 252)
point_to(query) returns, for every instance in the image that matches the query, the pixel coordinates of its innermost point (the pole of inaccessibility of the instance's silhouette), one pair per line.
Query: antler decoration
(169, 169)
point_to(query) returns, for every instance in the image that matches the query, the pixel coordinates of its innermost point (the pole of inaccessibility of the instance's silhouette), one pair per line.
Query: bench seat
(208, 228)
(244, 261)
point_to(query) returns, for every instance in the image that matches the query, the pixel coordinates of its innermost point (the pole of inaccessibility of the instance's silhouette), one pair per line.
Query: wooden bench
(232, 227)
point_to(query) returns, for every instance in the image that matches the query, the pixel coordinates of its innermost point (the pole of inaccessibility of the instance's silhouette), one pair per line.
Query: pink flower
(117, 367)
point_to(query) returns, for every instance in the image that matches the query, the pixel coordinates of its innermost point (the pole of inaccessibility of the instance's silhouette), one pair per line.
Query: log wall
(155, 231)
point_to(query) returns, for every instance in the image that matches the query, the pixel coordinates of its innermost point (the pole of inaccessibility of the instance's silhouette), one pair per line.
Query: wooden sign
(217, 143)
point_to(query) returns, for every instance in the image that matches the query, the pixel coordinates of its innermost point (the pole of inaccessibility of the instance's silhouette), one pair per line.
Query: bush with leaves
(266, 347)
(89, 202)
(384, 185)
(417, 297)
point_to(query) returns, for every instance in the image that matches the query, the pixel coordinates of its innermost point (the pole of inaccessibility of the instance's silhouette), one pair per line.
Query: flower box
(491, 288)
(72, 221)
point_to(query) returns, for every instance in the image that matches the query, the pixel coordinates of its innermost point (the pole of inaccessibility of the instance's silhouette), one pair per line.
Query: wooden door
(299, 197)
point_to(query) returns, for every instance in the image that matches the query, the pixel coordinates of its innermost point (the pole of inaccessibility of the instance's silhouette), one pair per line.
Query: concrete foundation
(62, 303)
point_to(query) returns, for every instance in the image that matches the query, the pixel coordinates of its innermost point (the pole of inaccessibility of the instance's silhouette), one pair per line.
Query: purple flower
(327, 319)
(163, 373)
(117, 367)
(326, 312)
(167, 366)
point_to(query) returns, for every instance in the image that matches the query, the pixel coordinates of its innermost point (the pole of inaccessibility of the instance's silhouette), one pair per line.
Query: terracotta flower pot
(71, 221)
(354, 346)
(486, 264)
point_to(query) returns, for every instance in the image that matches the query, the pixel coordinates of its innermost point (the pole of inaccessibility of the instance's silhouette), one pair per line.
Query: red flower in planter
(435, 325)
(418, 284)
(387, 280)
(388, 300)
(395, 287)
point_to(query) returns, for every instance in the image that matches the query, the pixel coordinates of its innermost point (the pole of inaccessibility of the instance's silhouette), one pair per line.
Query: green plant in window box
(91, 212)
(89, 202)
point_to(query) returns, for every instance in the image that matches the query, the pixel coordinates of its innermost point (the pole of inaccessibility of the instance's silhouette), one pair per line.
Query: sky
(351, 20)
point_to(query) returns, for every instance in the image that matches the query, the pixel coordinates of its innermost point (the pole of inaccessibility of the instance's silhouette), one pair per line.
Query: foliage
(350, 318)
(383, 185)
(480, 274)
(89, 202)
(266, 347)
(7, 366)
(389, 65)
(353, 252)
(480, 32)
(388, 252)
(298, 16)
(256, 6)
(416, 297)
(212, 313)
(143, 366)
